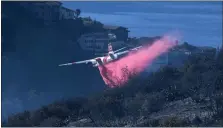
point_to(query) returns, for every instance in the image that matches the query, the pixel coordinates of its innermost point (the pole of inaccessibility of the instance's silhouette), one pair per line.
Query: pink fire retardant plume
(112, 73)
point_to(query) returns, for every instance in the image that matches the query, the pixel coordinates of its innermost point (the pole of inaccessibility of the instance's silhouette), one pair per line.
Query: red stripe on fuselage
(105, 59)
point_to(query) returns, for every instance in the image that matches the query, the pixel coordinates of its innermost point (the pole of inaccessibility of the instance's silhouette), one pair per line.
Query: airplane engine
(89, 64)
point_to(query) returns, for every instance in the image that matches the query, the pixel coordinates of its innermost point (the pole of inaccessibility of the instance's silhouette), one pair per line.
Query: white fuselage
(104, 60)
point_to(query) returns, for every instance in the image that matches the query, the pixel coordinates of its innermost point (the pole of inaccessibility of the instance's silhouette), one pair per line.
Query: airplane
(100, 61)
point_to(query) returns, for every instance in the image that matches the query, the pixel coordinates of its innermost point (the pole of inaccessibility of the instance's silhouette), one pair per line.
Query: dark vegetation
(186, 96)
(16, 18)
(42, 48)
(31, 53)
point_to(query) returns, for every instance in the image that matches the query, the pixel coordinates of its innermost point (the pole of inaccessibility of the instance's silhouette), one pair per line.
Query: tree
(78, 12)
(220, 58)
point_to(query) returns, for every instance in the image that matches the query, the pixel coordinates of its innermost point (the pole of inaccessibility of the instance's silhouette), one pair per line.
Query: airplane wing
(120, 49)
(121, 53)
(127, 51)
(78, 62)
(136, 48)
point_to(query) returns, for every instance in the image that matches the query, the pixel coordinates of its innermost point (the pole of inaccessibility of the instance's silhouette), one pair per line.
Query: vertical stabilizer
(110, 50)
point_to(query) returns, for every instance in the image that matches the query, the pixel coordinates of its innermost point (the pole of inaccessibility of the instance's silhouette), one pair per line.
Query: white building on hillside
(66, 13)
(98, 42)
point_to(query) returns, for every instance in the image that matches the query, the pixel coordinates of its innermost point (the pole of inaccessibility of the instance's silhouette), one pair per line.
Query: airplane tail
(110, 51)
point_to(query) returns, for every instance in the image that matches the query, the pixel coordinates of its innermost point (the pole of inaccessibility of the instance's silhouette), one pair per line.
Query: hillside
(31, 53)
(187, 96)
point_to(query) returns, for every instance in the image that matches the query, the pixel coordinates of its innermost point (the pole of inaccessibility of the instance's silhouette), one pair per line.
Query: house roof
(68, 9)
(56, 2)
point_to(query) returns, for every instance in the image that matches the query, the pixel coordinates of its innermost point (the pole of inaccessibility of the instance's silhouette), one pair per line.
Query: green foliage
(78, 12)
(21, 119)
(51, 122)
(51, 115)
(187, 46)
(220, 59)
(173, 122)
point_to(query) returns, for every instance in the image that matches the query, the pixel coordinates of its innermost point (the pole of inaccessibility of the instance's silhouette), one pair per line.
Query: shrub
(51, 122)
(173, 122)
(21, 120)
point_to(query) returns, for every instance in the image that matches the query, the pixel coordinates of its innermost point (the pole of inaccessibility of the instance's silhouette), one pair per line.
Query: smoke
(117, 73)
